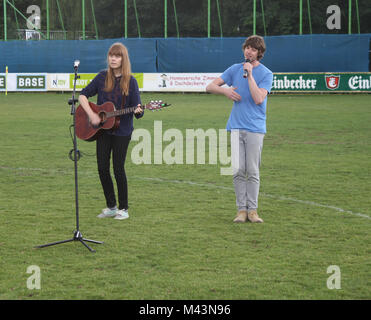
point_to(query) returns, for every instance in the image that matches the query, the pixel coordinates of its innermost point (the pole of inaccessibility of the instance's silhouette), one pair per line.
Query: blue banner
(305, 53)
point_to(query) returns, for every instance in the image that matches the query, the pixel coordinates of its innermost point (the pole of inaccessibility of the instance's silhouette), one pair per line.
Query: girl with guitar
(117, 85)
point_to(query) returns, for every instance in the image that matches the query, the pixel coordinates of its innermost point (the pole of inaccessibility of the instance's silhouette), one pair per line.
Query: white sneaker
(108, 213)
(122, 214)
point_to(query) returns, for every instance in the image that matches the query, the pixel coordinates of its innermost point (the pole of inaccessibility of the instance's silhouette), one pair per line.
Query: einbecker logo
(332, 82)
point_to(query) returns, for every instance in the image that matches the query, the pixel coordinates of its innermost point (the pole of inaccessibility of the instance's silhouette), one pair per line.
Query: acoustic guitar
(110, 118)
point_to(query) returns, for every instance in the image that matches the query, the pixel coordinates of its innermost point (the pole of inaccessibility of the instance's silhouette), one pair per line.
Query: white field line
(205, 185)
(209, 185)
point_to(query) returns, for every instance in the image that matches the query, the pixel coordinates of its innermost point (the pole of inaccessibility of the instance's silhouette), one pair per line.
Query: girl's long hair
(120, 50)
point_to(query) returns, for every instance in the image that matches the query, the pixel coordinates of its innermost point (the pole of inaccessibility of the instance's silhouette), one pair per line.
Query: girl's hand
(138, 110)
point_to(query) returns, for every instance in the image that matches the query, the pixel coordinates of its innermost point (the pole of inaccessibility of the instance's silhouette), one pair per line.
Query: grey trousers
(246, 149)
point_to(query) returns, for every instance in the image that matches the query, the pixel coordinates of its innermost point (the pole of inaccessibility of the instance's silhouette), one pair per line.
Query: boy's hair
(256, 42)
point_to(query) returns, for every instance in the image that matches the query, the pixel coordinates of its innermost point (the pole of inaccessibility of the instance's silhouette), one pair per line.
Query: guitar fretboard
(120, 112)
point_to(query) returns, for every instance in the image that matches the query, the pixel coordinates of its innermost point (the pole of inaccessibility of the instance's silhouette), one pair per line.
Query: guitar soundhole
(102, 116)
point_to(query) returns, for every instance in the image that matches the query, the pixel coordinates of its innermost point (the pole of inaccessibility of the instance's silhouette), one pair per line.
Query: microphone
(245, 72)
(76, 64)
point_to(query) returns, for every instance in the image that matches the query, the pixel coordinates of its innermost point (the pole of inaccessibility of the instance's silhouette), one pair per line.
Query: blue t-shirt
(96, 86)
(245, 113)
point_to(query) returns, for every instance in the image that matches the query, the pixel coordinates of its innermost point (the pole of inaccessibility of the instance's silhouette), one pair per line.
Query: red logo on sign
(332, 82)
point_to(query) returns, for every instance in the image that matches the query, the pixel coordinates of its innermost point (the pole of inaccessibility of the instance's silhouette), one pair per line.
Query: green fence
(93, 19)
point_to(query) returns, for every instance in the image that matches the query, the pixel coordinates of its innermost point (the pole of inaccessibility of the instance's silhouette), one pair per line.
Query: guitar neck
(120, 112)
(153, 105)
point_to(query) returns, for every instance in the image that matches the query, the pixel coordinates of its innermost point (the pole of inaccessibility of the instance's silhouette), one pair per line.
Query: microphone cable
(79, 153)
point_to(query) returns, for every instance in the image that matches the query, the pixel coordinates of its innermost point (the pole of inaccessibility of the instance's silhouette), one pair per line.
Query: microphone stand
(74, 156)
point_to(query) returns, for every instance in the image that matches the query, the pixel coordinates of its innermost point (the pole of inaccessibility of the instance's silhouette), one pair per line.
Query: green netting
(93, 19)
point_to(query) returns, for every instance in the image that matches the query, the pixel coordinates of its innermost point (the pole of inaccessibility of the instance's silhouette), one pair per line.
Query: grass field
(180, 242)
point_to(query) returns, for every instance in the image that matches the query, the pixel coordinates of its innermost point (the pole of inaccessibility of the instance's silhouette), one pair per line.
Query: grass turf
(180, 242)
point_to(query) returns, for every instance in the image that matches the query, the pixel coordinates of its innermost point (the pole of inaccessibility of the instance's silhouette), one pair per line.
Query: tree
(281, 17)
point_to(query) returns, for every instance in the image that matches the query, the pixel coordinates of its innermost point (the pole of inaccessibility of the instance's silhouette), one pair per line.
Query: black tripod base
(77, 236)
